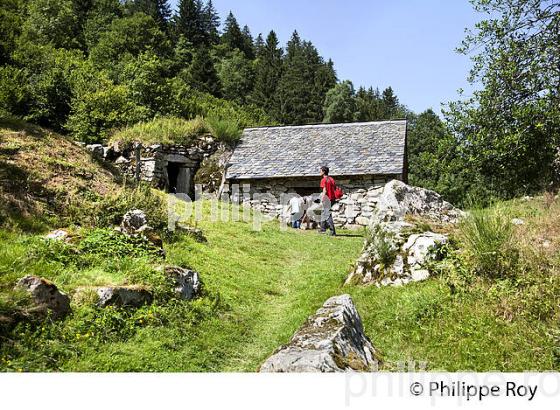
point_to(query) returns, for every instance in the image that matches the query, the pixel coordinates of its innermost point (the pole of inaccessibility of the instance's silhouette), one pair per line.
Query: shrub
(96, 112)
(488, 241)
(227, 131)
(383, 244)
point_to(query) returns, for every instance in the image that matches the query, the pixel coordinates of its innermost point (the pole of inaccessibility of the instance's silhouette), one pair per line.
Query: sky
(406, 44)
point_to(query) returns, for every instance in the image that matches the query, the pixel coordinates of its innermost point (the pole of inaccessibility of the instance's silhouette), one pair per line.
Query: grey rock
(332, 340)
(121, 161)
(123, 296)
(517, 221)
(361, 220)
(186, 281)
(399, 199)
(46, 295)
(96, 150)
(418, 247)
(133, 221)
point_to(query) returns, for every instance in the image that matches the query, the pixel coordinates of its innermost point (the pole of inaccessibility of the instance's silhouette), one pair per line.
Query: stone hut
(362, 158)
(172, 168)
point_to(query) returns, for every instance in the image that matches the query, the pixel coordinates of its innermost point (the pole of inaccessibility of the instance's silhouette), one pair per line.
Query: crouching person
(296, 210)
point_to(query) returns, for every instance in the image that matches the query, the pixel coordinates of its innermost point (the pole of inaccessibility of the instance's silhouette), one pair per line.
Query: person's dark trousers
(326, 218)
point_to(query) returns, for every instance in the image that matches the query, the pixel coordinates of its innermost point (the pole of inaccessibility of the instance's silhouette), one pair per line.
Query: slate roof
(347, 149)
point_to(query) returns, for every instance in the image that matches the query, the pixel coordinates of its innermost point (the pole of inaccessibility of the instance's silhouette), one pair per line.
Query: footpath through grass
(260, 287)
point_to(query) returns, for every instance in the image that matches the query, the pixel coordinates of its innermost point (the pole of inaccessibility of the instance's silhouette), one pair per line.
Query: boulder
(133, 221)
(123, 296)
(418, 249)
(411, 255)
(186, 281)
(96, 150)
(46, 295)
(332, 340)
(399, 199)
(517, 221)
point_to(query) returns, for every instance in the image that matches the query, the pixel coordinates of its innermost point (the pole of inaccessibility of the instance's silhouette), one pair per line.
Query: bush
(227, 131)
(383, 243)
(96, 112)
(488, 242)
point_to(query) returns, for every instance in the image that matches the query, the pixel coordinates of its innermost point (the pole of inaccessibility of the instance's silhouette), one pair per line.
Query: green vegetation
(260, 287)
(177, 131)
(164, 130)
(488, 236)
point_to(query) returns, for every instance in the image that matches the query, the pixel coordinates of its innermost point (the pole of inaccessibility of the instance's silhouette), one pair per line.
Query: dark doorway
(173, 169)
(179, 178)
(305, 191)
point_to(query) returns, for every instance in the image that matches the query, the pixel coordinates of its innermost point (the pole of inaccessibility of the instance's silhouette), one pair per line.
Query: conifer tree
(211, 23)
(190, 22)
(390, 104)
(159, 10)
(259, 45)
(302, 89)
(248, 45)
(233, 37)
(268, 73)
(202, 73)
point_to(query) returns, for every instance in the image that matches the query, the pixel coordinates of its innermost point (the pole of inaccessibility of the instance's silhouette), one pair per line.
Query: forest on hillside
(89, 67)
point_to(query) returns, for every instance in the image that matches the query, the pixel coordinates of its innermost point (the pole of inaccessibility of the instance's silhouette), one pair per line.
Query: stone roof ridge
(321, 125)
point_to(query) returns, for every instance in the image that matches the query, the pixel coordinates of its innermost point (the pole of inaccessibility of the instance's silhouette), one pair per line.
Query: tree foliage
(510, 128)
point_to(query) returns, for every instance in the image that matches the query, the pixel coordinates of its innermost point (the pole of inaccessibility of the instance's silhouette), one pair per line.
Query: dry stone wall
(270, 196)
(149, 162)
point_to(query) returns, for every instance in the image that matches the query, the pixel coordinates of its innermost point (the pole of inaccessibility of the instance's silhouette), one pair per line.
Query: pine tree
(233, 37)
(202, 73)
(295, 87)
(211, 23)
(159, 10)
(390, 103)
(259, 45)
(190, 22)
(305, 81)
(268, 74)
(248, 45)
(369, 106)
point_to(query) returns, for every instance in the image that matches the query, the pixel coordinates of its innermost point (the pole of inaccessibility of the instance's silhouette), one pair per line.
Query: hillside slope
(45, 176)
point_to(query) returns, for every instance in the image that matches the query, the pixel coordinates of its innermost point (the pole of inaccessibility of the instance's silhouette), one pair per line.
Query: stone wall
(150, 163)
(352, 211)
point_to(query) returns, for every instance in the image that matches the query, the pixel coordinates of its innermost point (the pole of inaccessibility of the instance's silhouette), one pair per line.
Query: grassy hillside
(44, 176)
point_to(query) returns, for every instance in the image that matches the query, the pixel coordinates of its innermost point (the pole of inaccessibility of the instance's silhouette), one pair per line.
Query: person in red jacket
(327, 198)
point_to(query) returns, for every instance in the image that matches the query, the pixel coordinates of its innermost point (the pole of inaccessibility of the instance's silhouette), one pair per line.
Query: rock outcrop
(399, 199)
(46, 296)
(332, 340)
(186, 281)
(397, 251)
(123, 296)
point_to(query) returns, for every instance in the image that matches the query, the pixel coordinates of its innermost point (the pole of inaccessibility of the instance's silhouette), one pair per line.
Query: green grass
(260, 286)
